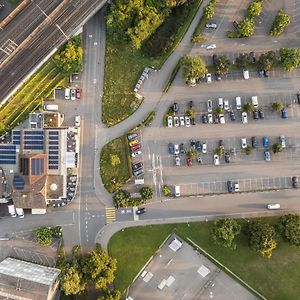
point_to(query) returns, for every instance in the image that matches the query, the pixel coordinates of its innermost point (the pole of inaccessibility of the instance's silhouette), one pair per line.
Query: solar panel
(53, 132)
(53, 167)
(30, 142)
(7, 162)
(53, 137)
(2, 146)
(18, 182)
(53, 142)
(34, 137)
(7, 152)
(34, 147)
(33, 132)
(4, 157)
(53, 152)
(16, 142)
(55, 157)
(53, 147)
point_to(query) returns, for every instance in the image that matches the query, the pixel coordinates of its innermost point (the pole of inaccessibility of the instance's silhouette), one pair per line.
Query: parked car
(198, 146)
(260, 73)
(266, 143)
(171, 148)
(244, 118)
(170, 121)
(78, 93)
(175, 107)
(209, 106)
(187, 121)
(177, 160)
(226, 104)
(295, 182)
(138, 172)
(176, 121)
(134, 142)
(282, 141)
(73, 94)
(189, 162)
(232, 115)
(244, 143)
(255, 115)
(141, 211)
(218, 77)
(211, 25)
(216, 119)
(221, 144)
(267, 155)
(208, 78)
(137, 166)
(246, 74)
(227, 157)
(210, 118)
(216, 159)
(132, 136)
(261, 114)
(238, 102)
(136, 147)
(136, 153)
(254, 101)
(236, 187)
(211, 47)
(283, 113)
(235, 24)
(199, 159)
(220, 103)
(204, 148)
(176, 149)
(252, 57)
(222, 119)
(181, 119)
(266, 73)
(204, 119)
(182, 148)
(230, 186)
(193, 121)
(193, 144)
(191, 103)
(254, 142)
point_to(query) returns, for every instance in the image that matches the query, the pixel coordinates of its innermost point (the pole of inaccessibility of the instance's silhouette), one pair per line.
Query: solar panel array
(33, 139)
(53, 146)
(16, 137)
(18, 183)
(8, 154)
(37, 166)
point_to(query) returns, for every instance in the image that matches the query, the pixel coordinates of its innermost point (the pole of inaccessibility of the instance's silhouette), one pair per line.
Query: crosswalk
(110, 213)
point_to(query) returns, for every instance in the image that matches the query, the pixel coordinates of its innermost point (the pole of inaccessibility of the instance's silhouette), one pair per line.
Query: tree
(218, 110)
(276, 148)
(220, 151)
(191, 113)
(193, 68)
(242, 60)
(121, 198)
(266, 60)
(248, 150)
(146, 192)
(209, 11)
(166, 191)
(261, 237)
(71, 281)
(289, 228)
(43, 236)
(222, 65)
(281, 21)
(254, 9)
(110, 295)
(99, 268)
(115, 160)
(224, 232)
(248, 107)
(191, 154)
(277, 106)
(245, 28)
(290, 58)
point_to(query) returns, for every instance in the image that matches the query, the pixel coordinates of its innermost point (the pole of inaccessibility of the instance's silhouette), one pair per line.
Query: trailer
(12, 210)
(20, 212)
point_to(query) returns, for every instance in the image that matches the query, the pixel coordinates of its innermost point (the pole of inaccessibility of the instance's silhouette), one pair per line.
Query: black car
(266, 73)
(218, 77)
(198, 146)
(215, 59)
(193, 121)
(261, 114)
(298, 98)
(204, 119)
(191, 103)
(193, 144)
(230, 186)
(221, 144)
(254, 142)
(175, 107)
(295, 181)
(182, 148)
(137, 166)
(141, 211)
(232, 115)
(255, 115)
(235, 24)
(216, 119)
(227, 157)
(252, 57)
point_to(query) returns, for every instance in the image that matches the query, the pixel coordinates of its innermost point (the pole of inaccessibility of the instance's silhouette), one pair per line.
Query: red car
(189, 162)
(136, 147)
(78, 93)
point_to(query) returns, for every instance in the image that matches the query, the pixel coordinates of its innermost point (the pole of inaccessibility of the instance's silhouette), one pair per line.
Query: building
(27, 281)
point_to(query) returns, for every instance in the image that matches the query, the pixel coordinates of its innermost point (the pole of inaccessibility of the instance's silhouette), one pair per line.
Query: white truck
(20, 212)
(12, 210)
(51, 107)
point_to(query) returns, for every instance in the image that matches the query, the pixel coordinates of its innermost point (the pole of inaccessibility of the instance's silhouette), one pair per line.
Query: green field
(114, 176)
(275, 278)
(29, 97)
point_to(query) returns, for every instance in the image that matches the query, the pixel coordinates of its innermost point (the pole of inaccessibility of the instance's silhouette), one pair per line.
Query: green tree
(193, 68)
(242, 60)
(71, 281)
(290, 58)
(166, 191)
(254, 9)
(261, 237)
(209, 11)
(276, 148)
(191, 154)
(43, 236)
(277, 106)
(121, 198)
(222, 65)
(289, 228)
(248, 107)
(220, 151)
(191, 113)
(110, 295)
(99, 268)
(218, 110)
(267, 60)
(146, 192)
(245, 28)
(248, 150)
(224, 232)
(281, 21)
(115, 160)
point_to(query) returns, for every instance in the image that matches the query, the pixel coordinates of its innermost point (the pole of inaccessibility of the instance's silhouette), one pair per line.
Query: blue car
(265, 141)
(283, 113)
(171, 148)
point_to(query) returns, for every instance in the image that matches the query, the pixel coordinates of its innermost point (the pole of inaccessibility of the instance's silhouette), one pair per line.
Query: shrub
(281, 21)
(146, 192)
(43, 236)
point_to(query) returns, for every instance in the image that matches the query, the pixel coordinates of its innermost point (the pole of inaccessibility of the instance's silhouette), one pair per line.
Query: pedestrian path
(110, 213)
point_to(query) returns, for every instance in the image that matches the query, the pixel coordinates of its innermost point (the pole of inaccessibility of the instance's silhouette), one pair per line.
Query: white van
(177, 190)
(254, 101)
(77, 121)
(273, 206)
(238, 102)
(220, 103)
(67, 94)
(246, 74)
(51, 107)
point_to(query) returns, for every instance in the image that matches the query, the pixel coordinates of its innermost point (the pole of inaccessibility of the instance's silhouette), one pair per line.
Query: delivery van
(51, 107)
(254, 101)
(67, 94)
(238, 102)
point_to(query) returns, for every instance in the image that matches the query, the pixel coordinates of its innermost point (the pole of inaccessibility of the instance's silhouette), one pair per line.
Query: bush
(231, 35)
(43, 236)
(146, 192)
(121, 198)
(166, 191)
(194, 68)
(254, 9)
(245, 28)
(290, 58)
(289, 228)
(281, 21)
(149, 119)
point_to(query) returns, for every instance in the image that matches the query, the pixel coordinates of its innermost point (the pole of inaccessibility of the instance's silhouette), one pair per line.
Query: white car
(136, 153)
(211, 47)
(176, 149)
(209, 106)
(187, 121)
(182, 121)
(216, 159)
(244, 143)
(244, 118)
(73, 94)
(221, 103)
(210, 119)
(170, 121)
(222, 119)
(192, 82)
(208, 78)
(226, 104)
(282, 141)
(177, 160)
(236, 187)
(211, 25)
(176, 122)
(246, 74)
(204, 148)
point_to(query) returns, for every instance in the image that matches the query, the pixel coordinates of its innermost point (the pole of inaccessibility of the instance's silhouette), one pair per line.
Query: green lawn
(275, 278)
(114, 176)
(29, 97)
